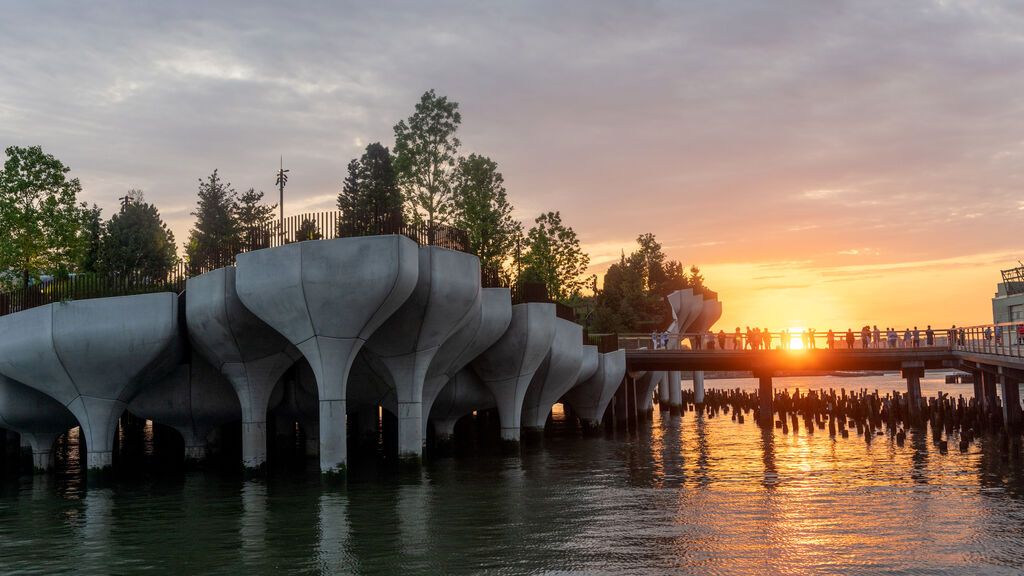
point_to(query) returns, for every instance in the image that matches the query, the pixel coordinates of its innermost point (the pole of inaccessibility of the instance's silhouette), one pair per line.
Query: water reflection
(691, 494)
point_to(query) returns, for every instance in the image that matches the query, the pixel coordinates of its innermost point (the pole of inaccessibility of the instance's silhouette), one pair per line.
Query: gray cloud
(714, 125)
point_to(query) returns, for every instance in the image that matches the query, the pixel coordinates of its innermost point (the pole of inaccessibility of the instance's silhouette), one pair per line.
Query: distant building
(1008, 303)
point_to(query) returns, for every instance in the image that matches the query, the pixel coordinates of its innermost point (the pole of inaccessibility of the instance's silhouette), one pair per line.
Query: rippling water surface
(688, 495)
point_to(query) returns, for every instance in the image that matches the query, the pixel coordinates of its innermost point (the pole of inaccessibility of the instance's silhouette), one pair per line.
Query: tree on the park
(215, 238)
(426, 148)
(633, 296)
(255, 219)
(370, 200)
(41, 221)
(308, 230)
(483, 211)
(554, 258)
(93, 233)
(136, 241)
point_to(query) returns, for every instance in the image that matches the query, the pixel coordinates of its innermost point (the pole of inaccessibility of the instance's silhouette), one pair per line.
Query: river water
(691, 495)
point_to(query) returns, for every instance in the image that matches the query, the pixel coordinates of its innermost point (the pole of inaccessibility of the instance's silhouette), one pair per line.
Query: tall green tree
(308, 230)
(215, 238)
(370, 199)
(426, 149)
(255, 219)
(41, 221)
(93, 233)
(136, 241)
(554, 257)
(482, 209)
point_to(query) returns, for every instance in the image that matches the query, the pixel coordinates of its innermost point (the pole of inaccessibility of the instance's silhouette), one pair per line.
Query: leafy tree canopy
(482, 209)
(41, 222)
(255, 219)
(426, 148)
(554, 257)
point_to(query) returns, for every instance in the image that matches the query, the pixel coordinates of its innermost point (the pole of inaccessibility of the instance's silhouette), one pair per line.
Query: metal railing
(297, 228)
(784, 340)
(1004, 339)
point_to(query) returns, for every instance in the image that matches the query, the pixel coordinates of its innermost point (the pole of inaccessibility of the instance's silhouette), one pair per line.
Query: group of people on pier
(868, 337)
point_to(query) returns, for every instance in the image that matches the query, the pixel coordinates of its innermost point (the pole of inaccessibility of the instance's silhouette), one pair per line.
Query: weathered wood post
(764, 397)
(1009, 383)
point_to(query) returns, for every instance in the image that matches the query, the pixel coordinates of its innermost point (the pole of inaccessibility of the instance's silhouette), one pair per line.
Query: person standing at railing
(865, 336)
(951, 336)
(1020, 334)
(906, 338)
(830, 339)
(721, 339)
(766, 336)
(810, 338)
(737, 339)
(999, 335)
(929, 336)
(654, 340)
(664, 340)
(750, 339)
(849, 338)
(917, 337)
(876, 336)
(963, 337)
(891, 332)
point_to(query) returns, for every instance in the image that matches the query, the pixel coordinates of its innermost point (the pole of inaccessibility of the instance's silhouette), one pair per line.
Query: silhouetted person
(917, 337)
(929, 336)
(865, 336)
(830, 339)
(849, 338)
(810, 338)
(766, 338)
(721, 339)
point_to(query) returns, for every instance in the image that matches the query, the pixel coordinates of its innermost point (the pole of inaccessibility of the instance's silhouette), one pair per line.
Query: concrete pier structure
(446, 294)
(327, 297)
(92, 356)
(486, 324)
(1009, 389)
(710, 312)
(249, 353)
(38, 418)
(463, 394)
(508, 367)
(194, 398)
(555, 376)
(589, 399)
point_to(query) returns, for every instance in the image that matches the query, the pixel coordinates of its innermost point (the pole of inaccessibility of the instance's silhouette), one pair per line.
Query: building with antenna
(1008, 303)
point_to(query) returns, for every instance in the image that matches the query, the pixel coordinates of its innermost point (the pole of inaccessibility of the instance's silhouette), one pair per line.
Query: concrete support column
(410, 431)
(98, 418)
(991, 382)
(675, 394)
(1010, 391)
(42, 451)
(698, 387)
(912, 372)
(663, 390)
(765, 397)
(333, 448)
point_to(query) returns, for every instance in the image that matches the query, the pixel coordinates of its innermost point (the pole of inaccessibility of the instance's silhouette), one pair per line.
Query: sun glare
(795, 340)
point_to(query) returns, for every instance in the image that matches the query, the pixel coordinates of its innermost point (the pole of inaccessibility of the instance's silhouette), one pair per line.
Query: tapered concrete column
(447, 292)
(912, 372)
(765, 398)
(481, 329)
(93, 356)
(462, 394)
(698, 387)
(36, 416)
(1010, 391)
(249, 353)
(675, 396)
(590, 398)
(663, 388)
(556, 375)
(328, 297)
(508, 367)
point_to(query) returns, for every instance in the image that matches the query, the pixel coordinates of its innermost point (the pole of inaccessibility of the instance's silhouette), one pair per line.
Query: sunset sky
(827, 164)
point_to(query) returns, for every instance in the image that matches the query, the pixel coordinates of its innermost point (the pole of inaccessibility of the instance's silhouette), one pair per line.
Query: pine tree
(370, 201)
(255, 220)
(214, 240)
(136, 241)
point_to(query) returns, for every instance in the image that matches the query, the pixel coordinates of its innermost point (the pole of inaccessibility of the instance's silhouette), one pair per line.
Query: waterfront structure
(1008, 302)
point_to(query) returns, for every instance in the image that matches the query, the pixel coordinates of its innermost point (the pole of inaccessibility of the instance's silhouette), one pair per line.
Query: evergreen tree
(136, 241)
(554, 258)
(370, 200)
(215, 238)
(483, 211)
(93, 233)
(255, 220)
(308, 230)
(41, 222)
(425, 156)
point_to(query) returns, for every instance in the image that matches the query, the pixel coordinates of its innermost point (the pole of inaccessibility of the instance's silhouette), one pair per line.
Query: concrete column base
(333, 438)
(410, 431)
(254, 446)
(42, 462)
(99, 461)
(698, 387)
(1010, 390)
(592, 427)
(531, 434)
(196, 454)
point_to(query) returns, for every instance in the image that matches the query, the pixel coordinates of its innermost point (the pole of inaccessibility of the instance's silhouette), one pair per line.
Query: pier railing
(1003, 339)
(782, 340)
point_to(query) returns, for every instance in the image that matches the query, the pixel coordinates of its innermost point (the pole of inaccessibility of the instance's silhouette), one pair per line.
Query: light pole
(282, 179)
